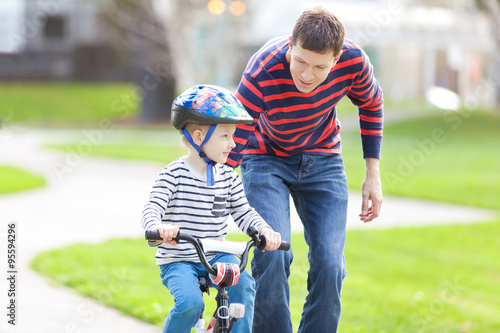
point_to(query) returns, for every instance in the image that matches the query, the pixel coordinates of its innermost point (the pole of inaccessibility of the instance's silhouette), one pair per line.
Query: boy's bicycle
(222, 274)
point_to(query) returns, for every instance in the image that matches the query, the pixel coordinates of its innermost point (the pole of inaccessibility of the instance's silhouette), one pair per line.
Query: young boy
(195, 194)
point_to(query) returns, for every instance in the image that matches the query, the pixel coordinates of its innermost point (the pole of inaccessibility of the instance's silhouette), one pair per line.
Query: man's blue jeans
(318, 187)
(181, 279)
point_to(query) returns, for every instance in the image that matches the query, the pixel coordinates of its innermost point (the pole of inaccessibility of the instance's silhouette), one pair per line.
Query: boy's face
(220, 143)
(309, 69)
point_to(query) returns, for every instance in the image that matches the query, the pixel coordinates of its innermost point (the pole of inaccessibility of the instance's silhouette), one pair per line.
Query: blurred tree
(207, 40)
(141, 39)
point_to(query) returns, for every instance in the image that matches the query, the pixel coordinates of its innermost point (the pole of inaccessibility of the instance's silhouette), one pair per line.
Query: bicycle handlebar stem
(258, 241)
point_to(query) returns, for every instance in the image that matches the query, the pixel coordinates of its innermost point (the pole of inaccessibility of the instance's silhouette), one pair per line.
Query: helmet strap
(201, 153)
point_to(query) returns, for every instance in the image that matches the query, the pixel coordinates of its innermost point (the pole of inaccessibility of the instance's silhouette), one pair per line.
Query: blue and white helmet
(208, 105)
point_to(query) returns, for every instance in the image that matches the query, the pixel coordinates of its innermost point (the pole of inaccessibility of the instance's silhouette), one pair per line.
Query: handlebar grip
(285, 246)
(155, 235)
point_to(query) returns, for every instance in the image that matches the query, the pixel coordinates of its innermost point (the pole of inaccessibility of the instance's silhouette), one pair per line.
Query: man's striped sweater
(289, 122)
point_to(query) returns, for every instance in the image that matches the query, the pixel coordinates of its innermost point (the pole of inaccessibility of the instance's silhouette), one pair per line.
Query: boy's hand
(273, 239)
(168, 232)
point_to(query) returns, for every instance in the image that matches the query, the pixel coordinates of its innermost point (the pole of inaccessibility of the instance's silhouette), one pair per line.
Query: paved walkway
(93, 199)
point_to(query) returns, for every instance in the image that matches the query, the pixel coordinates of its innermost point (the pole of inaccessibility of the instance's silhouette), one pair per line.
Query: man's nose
(307, 74)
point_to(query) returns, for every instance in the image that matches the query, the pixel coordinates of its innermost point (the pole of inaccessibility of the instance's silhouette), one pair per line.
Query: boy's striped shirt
(289, 122)
(181, 197)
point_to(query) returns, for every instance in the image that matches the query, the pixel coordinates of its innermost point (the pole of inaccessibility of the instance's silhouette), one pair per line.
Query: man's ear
(338, 56)
(336, 59)
(197, 137)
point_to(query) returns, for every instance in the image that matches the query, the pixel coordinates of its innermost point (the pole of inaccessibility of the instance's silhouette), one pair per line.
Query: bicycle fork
(224, 317)
(222, 312)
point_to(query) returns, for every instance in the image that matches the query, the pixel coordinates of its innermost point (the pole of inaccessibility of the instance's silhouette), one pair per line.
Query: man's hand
(168, 232)
(273, 239)
(371, 192)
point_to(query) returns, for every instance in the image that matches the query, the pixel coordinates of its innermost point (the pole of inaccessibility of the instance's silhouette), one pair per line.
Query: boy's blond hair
(190, 128)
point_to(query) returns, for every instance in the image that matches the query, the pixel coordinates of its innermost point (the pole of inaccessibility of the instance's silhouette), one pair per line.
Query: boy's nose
(232, 144)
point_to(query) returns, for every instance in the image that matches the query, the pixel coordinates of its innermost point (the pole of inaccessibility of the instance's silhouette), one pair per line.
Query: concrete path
(93, 199)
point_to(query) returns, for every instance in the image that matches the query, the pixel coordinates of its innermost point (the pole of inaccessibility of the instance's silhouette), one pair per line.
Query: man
(290, 87)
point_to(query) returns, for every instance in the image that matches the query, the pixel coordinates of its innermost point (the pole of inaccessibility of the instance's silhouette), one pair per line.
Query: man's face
(309, 69)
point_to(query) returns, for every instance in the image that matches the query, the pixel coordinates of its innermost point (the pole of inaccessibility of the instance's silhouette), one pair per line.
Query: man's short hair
(320, 31)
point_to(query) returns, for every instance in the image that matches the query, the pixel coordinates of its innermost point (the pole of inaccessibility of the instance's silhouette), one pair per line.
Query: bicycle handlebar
(258, 241)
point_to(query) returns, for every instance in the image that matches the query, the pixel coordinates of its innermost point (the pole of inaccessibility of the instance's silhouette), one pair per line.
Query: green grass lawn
(60, 104)
(161, 154)
(432, 279)
(440, 158)
(13, 179)
(68, 104)
(436, 157)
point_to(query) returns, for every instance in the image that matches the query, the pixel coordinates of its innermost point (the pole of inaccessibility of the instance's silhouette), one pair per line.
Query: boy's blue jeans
(318, 187)
(181, 278)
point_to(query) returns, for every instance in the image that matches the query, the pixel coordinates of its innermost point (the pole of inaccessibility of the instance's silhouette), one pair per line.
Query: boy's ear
(197, 137)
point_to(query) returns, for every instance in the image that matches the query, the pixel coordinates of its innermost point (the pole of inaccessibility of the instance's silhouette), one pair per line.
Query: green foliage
(14, 179)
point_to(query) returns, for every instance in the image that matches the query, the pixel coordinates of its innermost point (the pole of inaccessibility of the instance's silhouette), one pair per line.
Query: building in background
(90, 40)
(60, 40)
(415, 48)
(413, 44)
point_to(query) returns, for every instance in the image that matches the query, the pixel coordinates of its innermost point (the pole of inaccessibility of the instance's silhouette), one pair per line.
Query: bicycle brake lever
(260, 241)
(261, 244)
(254, 234)
(252, 231)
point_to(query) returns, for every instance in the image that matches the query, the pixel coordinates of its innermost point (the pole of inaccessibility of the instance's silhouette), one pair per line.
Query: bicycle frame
(224, 322)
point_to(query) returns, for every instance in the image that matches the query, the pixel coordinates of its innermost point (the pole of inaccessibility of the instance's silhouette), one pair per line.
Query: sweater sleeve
(156, 206)
(367, 95)
(250, 96)
(243, 214)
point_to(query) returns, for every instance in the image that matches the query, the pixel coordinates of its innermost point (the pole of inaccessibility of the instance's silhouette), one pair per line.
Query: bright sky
(11, 13)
